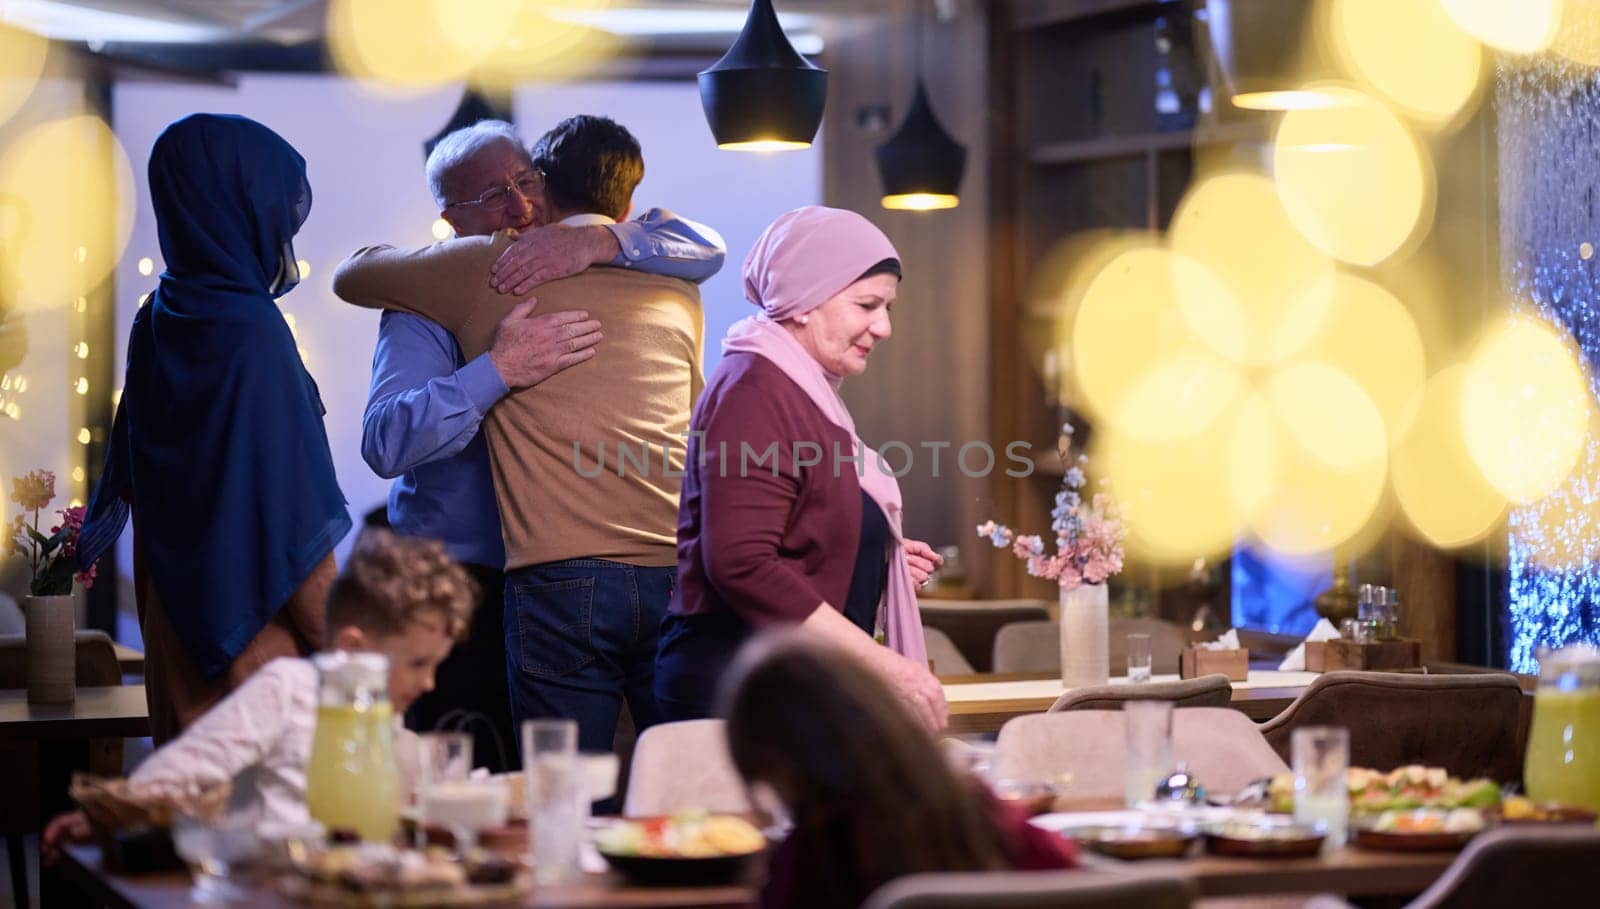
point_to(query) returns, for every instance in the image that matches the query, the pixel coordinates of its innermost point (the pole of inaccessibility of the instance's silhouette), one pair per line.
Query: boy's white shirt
(259, 737)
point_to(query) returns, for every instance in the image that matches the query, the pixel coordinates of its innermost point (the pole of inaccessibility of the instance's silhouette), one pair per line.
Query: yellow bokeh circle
(1516, 26)
(1559, 532)
(1525, 409)
(66, 207)
(1137, 362)
(1441, 491)
(22, 56)
(1353, 179)
(1275, 285)
(1191, 498)
(1330, 453)
(1369, 335)
(1577, 36)
(1410, 52)
(398, 43)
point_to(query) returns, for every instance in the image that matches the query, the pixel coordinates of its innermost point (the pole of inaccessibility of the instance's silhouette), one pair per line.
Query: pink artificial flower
(1026, 547)
(86, 577)
(35, 490)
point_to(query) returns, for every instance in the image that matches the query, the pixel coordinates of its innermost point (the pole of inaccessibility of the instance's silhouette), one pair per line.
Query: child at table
(398, 596)
(872, 797)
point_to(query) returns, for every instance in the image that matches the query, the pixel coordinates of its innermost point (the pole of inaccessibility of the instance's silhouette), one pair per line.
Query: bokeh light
(1330, 453)
(1517, 26)
(1353, 179)
(399, 43)
(1369, 335)
(1190, 498)
(22, 56)
(442, 229)
(1276, 286)
(1137, 361)
(1410, 52)
(1578, 36)
(1524, 409)
(539, 45)
(1439, 488)
(71, 190)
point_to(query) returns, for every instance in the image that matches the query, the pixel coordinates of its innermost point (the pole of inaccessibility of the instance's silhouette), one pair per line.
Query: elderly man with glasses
(427, 401)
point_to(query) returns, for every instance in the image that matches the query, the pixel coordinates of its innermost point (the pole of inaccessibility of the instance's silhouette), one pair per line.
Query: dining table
(983, 702)
(113, 711)
(1351, 871)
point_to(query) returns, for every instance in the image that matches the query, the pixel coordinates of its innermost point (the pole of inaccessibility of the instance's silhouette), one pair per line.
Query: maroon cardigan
(766, 544)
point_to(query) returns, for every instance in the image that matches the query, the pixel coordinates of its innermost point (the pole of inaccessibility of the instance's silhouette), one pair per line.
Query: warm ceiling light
(763, 95)
(921, 201)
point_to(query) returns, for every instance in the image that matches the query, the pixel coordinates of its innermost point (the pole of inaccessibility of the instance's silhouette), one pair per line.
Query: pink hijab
(801, 261)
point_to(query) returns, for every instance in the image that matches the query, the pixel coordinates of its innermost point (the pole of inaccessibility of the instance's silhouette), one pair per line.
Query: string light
(82, 350)
(82, 386)
(84, 436)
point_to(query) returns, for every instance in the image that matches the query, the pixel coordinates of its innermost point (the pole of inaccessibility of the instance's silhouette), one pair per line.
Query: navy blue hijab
(218, 441)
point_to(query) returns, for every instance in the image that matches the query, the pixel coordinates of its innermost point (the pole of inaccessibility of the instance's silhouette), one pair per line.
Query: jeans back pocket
(553, 626)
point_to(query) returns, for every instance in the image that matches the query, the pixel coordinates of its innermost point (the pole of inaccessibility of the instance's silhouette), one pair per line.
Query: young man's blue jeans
(580, 637)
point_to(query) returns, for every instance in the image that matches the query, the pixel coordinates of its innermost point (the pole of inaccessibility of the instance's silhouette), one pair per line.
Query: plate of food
(379, 875)
(688, 848)
(1266, 836)
(1134, 840)
(1373, 792)
(1419, 829)
(1522, 810)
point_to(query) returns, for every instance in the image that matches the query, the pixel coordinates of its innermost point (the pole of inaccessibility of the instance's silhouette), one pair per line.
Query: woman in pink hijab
(786, 517)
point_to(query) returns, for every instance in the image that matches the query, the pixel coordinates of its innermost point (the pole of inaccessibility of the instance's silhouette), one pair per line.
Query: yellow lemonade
(352, 782)
(1563, 763)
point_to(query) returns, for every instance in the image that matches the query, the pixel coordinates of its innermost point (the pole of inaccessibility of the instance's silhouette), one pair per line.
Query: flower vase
(51, 648)
(1085, 624)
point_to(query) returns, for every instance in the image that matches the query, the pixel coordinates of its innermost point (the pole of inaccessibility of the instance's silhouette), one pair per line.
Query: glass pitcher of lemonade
(352, 782)
(1563, 762)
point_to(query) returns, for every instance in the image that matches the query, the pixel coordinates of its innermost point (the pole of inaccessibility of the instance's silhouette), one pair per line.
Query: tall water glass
(1148, 727)
(555, 792)
(1138, 658)
(1321, 756)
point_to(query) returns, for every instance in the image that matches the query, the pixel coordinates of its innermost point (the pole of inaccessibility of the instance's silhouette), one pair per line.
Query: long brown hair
(872, 796)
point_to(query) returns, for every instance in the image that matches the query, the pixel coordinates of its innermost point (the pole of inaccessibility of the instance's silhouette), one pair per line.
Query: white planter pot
(52, 649)
(1085, 651)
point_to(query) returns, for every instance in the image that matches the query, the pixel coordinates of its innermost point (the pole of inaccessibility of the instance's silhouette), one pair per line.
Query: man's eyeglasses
(499, 198)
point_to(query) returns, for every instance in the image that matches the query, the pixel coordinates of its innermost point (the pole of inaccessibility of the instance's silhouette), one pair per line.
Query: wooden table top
(988, 715)
(118, 711)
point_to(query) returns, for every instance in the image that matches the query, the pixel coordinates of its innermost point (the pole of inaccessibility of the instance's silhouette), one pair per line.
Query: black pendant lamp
(921, 164)
(763, 95)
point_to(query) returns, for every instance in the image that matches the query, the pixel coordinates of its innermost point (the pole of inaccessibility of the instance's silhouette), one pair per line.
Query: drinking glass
(448, 797)
(1321, 756)
(555, 791)
(1148, 726)
(219, 853)
(599, 777)
(1138, 658)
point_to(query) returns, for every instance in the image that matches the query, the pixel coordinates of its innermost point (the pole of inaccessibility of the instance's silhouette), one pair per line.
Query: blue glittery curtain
(1549, 148)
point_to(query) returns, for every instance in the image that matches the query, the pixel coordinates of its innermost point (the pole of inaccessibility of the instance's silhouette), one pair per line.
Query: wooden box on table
(1195, 662)
(1330, 656)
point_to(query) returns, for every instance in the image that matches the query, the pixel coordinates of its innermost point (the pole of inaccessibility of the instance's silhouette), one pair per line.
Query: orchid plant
(1088, 534)
(52, 558)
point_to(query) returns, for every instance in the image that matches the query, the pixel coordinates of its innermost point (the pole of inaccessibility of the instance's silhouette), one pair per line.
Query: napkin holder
(1340, 653)
(1194, 662)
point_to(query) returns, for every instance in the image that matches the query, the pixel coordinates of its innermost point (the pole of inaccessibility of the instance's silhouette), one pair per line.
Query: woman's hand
(63, 830)
(916, 688)
(922, 560)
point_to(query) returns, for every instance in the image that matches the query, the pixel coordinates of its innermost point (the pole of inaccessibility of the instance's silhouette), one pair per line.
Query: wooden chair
(1466, 724)
(1036, 646)
(1205, 691)
(1223, 748)
(972, 624)
(1077, 889)
(19, 763)
(944, 656)
(677, 766)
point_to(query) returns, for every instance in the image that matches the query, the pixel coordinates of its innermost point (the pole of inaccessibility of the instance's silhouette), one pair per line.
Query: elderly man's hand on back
(528, 349)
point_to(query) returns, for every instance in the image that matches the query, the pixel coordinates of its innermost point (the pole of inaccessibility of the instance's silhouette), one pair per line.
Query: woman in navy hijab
(218, 447)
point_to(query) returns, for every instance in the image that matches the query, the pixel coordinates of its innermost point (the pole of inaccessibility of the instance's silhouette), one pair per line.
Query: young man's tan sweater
(633, 396)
